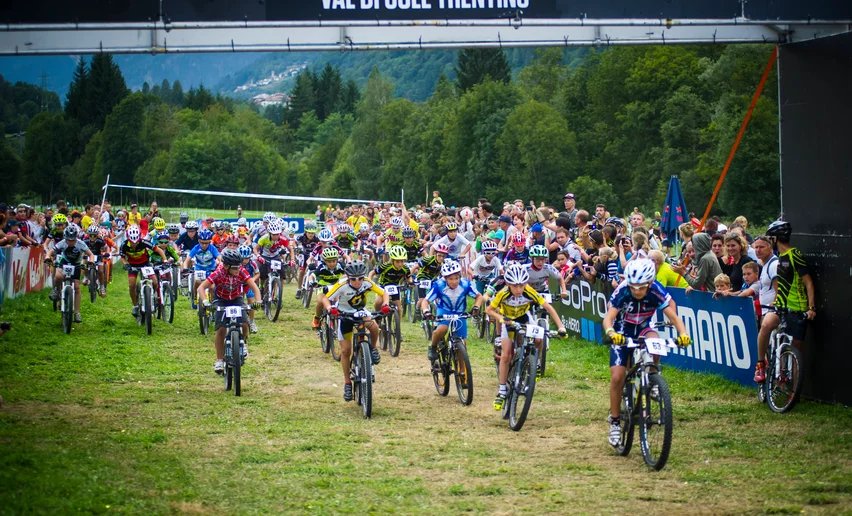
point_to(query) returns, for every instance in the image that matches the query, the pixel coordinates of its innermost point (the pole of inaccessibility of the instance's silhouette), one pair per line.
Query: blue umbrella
(674, 212)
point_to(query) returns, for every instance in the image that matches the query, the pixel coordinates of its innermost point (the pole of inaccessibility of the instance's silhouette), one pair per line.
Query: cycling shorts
(219, 317)
(526, 318)
(461, 324)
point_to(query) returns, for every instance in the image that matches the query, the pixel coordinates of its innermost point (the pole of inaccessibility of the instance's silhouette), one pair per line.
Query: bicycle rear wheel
(306, 297)
(545, 342)
(441, 371)
(463, 373)
(365, 379)
(525, 389)
(67, 309)
(784, 379)
(202, 319)
(275, 302)
(334, 346)
(655, 422)
(325, 343)
(168, 312)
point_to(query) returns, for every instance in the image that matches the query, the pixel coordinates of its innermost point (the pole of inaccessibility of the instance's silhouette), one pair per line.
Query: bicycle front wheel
(784, 379)
(168, 304)
(334, 344)
(325, 343)
(237, 359)
(395, 334)
(463, 373)
(655, 422)
(628, 421)
(93, 284)
(202, 318)
(277, 292)
(522, 395)
(67, 309)
(441, 371)
(306, 297)
(365, 379)
(148, 311)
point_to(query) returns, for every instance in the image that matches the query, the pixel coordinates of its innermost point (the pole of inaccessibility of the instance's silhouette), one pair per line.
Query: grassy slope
(107, 419)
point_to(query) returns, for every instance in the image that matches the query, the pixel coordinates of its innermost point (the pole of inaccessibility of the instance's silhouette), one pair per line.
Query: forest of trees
(20, 102)
(611, 128)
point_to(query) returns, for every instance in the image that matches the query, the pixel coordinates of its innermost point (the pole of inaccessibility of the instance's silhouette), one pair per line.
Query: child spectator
(723, 285)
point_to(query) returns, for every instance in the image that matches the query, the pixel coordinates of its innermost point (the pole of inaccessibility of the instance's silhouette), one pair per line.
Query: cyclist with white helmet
(205, 255)
(184, 219)
(70, 250)
(189, 239)
(457, 244)
(450, 295)
(135, 254)
(101, 248)
(513, 304)
(272, 246)
(393, 235)
(326, 240)
(487, 266)
(632, 305)
(308, 241)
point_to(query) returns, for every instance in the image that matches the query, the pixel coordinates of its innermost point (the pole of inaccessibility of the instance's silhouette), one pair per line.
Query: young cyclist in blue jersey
(450, 295)
(205, 256)
(631, 307)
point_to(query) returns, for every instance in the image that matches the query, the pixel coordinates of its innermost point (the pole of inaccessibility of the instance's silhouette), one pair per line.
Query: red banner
(26, 271)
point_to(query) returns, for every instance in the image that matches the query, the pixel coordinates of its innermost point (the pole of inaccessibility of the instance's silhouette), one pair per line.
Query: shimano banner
(723, 331)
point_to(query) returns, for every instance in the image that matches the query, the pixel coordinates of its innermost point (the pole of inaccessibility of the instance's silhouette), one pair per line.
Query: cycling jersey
(218, 241)
(513, 255)
(792, 294)
(635, 314)
(515, 307)
(169, 251)
(136, 256)
(205, 259)
(228, 286)
(393, 237)
(67, 254)
(98, 245)
(390, 275)
(414, 249)
(307, 244)
(185, 243)
(429, 268)
(55, 235)
(326, 276)
(538, 278)
(346, 241)
(270, 249)
(456, 246)
(451, 301)
(349, 299)
(364, 238)
(484, 269)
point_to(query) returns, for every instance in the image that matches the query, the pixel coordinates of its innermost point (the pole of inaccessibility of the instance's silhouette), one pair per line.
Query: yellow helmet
(398, 253)
(159, 224)
(60, 218)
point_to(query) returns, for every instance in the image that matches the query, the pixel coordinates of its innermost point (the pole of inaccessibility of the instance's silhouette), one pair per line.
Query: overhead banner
(723, 331)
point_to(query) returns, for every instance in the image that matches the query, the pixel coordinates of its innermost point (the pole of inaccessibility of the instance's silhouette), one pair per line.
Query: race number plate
(656, 346)
(233, 311)
(200, 275)
(68, 270)
(547, 297)
(392, 290)
(163, 272)
(535, 331)
(275, 265)
(147, 271)
(427, 284)
(361, 314)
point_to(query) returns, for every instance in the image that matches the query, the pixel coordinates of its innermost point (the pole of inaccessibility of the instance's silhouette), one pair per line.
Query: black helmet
(408, 233)
(779, 228)
(71, 233)
(183, 218)
(356, 269)
(231, 257)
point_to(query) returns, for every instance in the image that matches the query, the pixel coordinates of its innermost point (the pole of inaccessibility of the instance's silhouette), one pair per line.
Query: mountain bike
(453, 360)
(328, 335)
(185, 277)
(234, 347)
(542, 318)
(144, 297)
(308, 286)
(784, 367)
(166, 306)
(647, 402)
(390, 333)
(65, 302)
(522, 372)
(407, 301)
(177, 280)
(94, 279)
(272, 291)
(427, 325)
(361, 364)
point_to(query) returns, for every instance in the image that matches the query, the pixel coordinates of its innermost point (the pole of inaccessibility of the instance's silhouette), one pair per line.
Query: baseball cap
(569, 196)
(536, 228)
(505, 218)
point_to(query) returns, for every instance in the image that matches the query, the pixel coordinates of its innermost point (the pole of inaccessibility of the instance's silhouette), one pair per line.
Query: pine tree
(146, 88)
(165, 90)
(302, 98)
(349, 97)
(475, 64)
(328, 90)
(177, 96)
(77, 96)
(107, 88)
(199, 99)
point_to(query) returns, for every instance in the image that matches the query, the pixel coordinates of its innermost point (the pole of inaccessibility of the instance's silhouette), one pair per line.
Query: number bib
(68, 270)
(392, 290)
(233, 311)
(535, 331)
(147, 271)
(427, 284)
(200, 275)
(656, 346)
(547, 297)
(275, 265)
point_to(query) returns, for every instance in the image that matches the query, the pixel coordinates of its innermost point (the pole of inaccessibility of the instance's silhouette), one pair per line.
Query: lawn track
(108, 420)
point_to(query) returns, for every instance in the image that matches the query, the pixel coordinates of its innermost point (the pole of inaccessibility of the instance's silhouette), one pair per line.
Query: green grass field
(111, 420)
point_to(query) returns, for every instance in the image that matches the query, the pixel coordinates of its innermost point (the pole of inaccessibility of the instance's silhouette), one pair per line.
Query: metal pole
(105, 192)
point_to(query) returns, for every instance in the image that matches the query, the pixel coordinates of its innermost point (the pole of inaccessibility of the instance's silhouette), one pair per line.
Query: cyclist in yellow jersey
(512, 304)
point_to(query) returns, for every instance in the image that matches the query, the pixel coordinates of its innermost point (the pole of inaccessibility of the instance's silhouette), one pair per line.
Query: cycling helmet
(489, 246)
(343, 228)
(174, 229)
(159, 223)
(104, 233)
(274, 228)
(356, 269)
(518, 239)
(191, 225)
(325, 235)
(133, 234)
(377, 227)
(451, 226)
(538, 251)
(408, 233)
(232, 239)
(330, 253)
(183, 218)
(163, 237)
(245, 251)
(60, 218)
(70, 233)
(640, 272)
(364, 227)
(231, 257)
(615, 221)
(441, 248)
(205, 234)
(310, 227)
(396, 222)
(450, 267)
(398, 253)
(779, 228)
(242, 222)
(517, 274)
(269, 217)
(93, 229)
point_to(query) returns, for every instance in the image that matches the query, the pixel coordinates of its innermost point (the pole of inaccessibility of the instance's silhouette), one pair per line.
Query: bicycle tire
(306, 297)
(237, 359)
(383, 333)
(334, 347)
(228, 373)
(93, 284)
(427, 329)
(463, 373)
(783, 386)
(628, 419)
(648, 418)
(322, 333)
(409, 306)
(168, 304)
(441, 371)
(67, 309)
(542, 362)
(148, 312)
(365, 379)
(396, 334)
(277, 291)
(202, 319)
(526, 388)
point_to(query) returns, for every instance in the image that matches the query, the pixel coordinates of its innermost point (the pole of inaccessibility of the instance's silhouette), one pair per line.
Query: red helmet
(519, 239)
(232, 239)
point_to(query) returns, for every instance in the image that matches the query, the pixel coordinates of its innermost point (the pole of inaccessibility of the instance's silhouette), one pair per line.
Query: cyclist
(173, 231)
(271, 246)
(242, 230)
(250, 264)
(519, 252)
(205, 256)
(393, 272)
(350, 296)
(159, 227)
(308, 241)
(363, 237)
(188, 240)
(457, 244)
(428, 268)
(631, 307)
(219, 235)
(345, 239)
(450, 296)
(540, 271)
(57, 234)
(393, 236)
(229, 280)
(795, 293)
(100, 247)
(513, 303)
(171, 254)
(70, 250)
(135, 255)
(328, 273)
(184, 219)
(232, 241)
(411, 245)
(487, 266)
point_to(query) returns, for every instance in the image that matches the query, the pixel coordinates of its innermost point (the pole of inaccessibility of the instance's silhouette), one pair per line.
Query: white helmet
(516, 274)
(269, 217)
(489, 246)
(450, 267)
(640, 271)
(274, 228)
(325, 235)
(396, 222)
(364, 227)
(242, 221)
(133, 233)
(192, 224)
